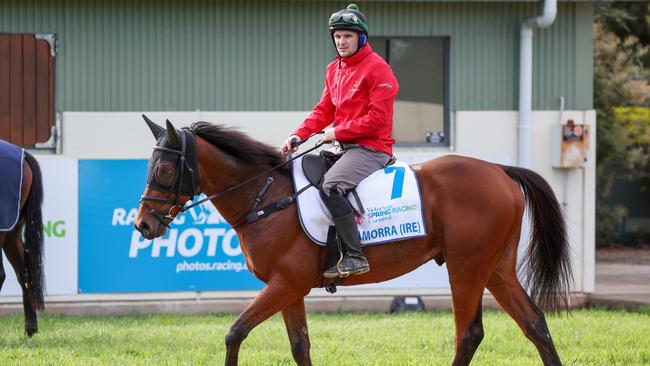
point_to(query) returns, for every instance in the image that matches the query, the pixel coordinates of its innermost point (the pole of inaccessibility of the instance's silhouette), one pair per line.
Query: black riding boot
(353, 262)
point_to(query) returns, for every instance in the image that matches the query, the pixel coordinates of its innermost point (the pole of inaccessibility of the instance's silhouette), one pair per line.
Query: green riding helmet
(349, 18)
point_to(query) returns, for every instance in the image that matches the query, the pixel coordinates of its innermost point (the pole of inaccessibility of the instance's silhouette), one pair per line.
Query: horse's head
(172, 180)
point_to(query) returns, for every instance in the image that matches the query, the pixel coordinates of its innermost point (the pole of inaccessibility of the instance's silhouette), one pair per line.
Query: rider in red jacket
(357, 100)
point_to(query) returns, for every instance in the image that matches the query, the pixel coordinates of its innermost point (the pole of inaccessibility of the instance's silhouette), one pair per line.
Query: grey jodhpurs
(355, 164)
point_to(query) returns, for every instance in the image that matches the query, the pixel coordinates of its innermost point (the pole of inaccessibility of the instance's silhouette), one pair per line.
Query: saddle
(314, 167)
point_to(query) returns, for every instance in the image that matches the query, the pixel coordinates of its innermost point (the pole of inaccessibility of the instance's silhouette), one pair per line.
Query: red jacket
(358, 97)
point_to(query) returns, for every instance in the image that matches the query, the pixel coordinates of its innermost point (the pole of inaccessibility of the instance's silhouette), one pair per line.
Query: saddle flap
(314, 168)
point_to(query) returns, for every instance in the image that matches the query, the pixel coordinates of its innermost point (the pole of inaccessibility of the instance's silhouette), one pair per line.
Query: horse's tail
(33, 217)
(548, 256)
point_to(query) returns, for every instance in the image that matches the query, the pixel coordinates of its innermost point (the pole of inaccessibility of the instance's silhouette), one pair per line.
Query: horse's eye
(165, 174)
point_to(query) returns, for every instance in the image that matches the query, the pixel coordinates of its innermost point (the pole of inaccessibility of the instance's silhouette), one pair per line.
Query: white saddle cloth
(390, 198)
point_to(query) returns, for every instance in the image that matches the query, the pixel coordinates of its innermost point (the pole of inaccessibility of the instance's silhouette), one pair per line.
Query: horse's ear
(156, 130)
(172, 136)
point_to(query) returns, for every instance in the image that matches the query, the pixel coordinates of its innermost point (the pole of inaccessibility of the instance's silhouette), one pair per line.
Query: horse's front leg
(296, 322)
(274, 297)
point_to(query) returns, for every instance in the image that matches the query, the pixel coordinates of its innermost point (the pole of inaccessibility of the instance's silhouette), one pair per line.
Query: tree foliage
(622, 100)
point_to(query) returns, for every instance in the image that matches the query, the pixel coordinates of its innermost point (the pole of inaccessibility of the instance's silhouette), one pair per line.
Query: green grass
(586, 337)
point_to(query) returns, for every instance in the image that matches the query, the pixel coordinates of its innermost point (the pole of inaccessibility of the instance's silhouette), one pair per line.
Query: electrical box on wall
(570, 145)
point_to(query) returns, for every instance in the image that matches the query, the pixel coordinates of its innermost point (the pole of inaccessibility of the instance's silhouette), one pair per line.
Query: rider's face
(346, 41)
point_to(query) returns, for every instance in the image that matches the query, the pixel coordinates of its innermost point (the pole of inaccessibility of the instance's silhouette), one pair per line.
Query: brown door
(26, 89)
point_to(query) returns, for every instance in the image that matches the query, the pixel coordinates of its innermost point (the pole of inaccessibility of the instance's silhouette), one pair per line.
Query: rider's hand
(329, 135)
(288, 145)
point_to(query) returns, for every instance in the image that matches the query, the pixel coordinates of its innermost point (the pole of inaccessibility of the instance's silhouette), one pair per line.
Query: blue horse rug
(11, 179)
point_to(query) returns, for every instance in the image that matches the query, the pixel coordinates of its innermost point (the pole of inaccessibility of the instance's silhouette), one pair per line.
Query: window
(421, 66)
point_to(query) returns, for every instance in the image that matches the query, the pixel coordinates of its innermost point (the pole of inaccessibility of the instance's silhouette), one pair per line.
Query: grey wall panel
(270, 55)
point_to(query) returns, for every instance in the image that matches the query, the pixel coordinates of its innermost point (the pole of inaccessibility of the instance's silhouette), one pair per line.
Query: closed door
(26, 89)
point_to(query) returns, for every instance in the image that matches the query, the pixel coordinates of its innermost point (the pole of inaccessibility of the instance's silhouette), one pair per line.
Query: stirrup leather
(333, 272)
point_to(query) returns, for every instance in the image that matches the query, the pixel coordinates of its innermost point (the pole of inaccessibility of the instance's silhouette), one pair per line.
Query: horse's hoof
(30, 332)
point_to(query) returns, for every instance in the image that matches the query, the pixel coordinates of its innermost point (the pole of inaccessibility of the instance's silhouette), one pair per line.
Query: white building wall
(488, 135)
(124, 135)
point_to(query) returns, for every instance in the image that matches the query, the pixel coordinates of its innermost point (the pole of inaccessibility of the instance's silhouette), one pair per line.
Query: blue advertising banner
(200, 252)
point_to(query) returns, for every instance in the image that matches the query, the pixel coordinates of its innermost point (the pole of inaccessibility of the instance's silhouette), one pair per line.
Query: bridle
(177, 187)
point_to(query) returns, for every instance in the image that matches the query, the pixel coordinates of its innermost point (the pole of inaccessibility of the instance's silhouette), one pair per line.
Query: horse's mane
(239, 145)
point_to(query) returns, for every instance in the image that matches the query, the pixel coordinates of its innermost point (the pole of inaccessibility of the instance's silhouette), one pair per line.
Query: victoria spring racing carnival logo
(390, 219)
(387, 210)
(201, 233)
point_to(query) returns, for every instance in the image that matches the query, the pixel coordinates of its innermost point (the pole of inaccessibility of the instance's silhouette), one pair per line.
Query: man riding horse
(475, 228)
(358, 97)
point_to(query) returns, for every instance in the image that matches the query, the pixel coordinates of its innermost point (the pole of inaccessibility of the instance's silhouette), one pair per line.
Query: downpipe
(524, 148)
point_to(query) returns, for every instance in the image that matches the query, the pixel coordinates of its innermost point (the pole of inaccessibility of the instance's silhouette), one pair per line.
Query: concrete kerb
(314, 304)
(618, 286)
(619, 302)
(622, 285)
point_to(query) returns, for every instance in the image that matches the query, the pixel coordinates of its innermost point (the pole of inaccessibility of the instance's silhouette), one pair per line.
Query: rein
(177, 209)
(253, 178)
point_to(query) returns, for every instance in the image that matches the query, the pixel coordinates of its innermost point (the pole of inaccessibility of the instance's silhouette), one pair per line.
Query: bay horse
(472, 209)
(26, 255)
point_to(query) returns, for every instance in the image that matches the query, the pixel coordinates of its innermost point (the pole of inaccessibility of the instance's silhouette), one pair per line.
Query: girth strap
(269, 209)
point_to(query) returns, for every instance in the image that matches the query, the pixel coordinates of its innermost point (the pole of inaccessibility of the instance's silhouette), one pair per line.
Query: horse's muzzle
(145, 229)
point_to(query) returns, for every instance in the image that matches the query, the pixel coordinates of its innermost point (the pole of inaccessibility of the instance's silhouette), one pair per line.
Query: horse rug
(392, 206)
(11, 178)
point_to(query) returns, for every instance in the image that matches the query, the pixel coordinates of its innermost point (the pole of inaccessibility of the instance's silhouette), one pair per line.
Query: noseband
(176, 189)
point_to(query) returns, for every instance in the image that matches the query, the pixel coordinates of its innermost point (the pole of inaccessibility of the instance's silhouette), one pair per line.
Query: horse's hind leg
(466, 295)
(506, 289)
(3, 275)
(15, 254)
(296, 322)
